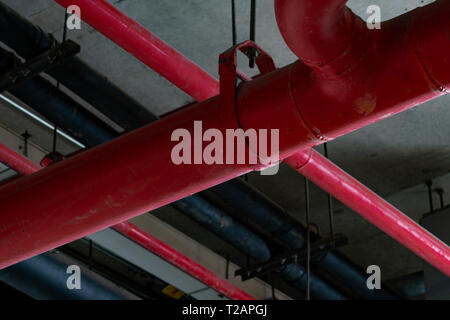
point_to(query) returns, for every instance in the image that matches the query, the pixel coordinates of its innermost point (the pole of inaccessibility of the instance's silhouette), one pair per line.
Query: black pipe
(267, 214)
(61, 110)
(411, 285)
(51, 284)
(29, 41)
(57, 106)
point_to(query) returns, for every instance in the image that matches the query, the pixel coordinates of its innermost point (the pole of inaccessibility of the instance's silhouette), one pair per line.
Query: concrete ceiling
(390, 156)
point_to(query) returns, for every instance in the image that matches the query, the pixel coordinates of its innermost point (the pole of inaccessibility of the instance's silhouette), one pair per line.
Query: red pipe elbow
(320, 32)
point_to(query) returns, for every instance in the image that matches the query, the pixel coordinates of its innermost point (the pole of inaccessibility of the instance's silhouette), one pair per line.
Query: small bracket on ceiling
(44, 62)
(318, 250)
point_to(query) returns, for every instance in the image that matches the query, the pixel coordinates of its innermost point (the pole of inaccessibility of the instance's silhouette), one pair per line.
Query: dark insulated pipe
(219, 222)
(52, 279)
(58, 107)
(267, 214)
(29, 41)
(411, 285)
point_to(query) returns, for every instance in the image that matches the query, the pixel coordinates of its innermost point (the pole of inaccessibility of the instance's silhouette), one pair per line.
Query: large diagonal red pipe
(25, 167)
(134, 173)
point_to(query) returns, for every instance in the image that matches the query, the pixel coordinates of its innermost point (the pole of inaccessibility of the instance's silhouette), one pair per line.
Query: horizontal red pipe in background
(146, 47)
(325, 31)
(25, 167)
(182, 262)
(372, 207)
(17, 162)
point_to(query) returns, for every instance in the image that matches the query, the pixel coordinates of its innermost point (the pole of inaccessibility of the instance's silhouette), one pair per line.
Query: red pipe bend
(319, 32)
(377, 74)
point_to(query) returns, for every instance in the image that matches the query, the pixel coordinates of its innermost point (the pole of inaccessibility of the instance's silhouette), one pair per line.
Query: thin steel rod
(330, 199)
(233, 22)
(429, 184)
(308, 240)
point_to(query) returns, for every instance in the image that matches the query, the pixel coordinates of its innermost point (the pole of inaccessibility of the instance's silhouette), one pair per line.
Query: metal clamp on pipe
(42, 63)
(318, 250)
(229, 72)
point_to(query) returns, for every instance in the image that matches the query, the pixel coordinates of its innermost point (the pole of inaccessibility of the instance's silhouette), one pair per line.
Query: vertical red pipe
(371, 207)
(25, 167)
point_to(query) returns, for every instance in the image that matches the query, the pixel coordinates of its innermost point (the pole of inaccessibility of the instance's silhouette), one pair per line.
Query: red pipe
(17, 162)
(134, 173)
(182, 262)
(25, 167)
(318, 32)
(146, 47)
(371, 207)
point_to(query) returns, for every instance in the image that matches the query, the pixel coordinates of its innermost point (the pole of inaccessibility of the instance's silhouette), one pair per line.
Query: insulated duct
(51, 284)
(39, 94)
